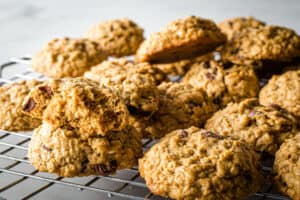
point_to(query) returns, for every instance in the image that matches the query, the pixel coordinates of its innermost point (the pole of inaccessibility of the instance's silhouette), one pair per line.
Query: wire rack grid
(19, 180)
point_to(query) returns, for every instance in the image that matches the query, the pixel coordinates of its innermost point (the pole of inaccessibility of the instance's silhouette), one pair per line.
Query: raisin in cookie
(119, 37)
(199, 164)
(287, 167)
(62, 151)
(272, 43)
(67, 57)
(181, 39)
(181, 106)
(234, 26)
(283, 90)
(264, 127)
(223, 81)
(82, 104)
(11, 99)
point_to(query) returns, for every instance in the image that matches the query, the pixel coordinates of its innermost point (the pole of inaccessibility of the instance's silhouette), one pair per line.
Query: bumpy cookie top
(234, 26)
(62, 151)
(287, 167)
(181, 106)
(66, 57)
(119, 37)
(266, 43)
(224, 81)
(135, 83)
(79, 103)
(11, 98)
(115, 71)
(263, 127)
(283, 90)
(180, 39)
(199, 164)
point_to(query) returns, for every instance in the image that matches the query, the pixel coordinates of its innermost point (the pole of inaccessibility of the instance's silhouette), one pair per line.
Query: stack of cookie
(236, 97)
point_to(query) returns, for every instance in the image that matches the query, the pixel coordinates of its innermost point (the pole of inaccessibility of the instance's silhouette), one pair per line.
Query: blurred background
(28, 24)
(25, 26)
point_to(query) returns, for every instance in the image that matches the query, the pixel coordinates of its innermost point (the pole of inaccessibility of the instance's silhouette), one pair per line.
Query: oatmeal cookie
(82, 104)
(264, 127)
(67, 57)
(11, 98)
(181, 106)
(199, 164)
(135, 83)
(283, 90)
(223, 81)
(119, 37)
(287, 167)
(234, 26)
(181, 39)
(272, 43)
(62, 151)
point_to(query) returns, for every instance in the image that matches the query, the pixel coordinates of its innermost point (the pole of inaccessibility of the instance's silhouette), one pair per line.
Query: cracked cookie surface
(224, 82)
(183, 38)
(79, 103)
(67, 57)
(62, 151)
(11, 101)
(287, 167)
(119, 37)
(263, 127)
(283, 90)
(198, 164)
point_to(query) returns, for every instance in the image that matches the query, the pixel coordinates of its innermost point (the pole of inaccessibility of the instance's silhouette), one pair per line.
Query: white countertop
(25, 26)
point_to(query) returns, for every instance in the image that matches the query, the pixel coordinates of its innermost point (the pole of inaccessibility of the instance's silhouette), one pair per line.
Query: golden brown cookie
(232, 27)
(223, 81)
(283, 90)
(272, 43)
(181, 39)
(11, 98)
(263, 127)
(198, 164)
(135, 83)
(181, 106)
(287, 167)
(119, 37)
(64, 152)
(80, 104)
(67, 57)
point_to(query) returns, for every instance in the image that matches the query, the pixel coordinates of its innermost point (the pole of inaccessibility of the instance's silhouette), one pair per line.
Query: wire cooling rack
(19, 180)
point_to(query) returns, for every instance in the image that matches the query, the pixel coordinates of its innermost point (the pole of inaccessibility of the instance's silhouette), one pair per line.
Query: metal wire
(23, 138)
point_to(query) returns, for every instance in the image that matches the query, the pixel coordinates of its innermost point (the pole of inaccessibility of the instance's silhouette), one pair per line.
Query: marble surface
(28, 24)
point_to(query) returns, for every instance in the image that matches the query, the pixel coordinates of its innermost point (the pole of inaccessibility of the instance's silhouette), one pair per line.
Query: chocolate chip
(47, 90)
(29, 105)
(103, 169)
(183, 134)
(210, 76)
(213, 135)
(46, 148)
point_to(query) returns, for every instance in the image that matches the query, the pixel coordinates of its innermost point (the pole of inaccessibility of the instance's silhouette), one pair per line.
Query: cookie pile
(218, 96)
